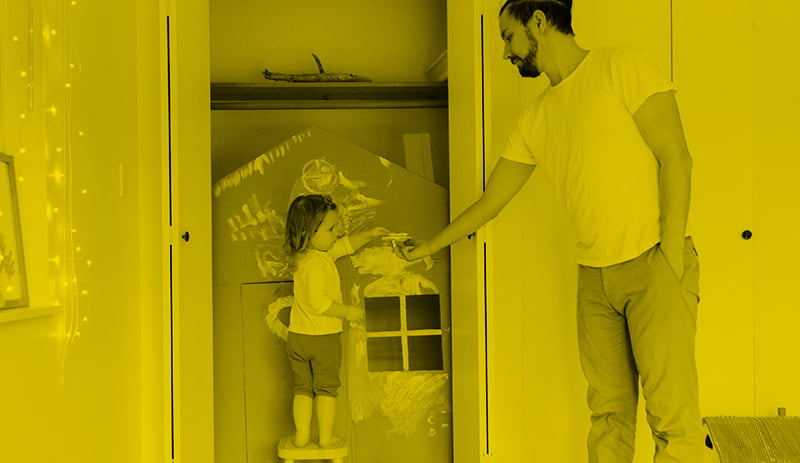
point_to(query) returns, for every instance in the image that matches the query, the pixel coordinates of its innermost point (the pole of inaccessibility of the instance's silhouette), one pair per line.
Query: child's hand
(378, 232)
(354, 313)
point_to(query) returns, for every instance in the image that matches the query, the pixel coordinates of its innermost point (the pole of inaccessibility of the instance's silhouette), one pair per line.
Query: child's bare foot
(300, 441)
(332, 442)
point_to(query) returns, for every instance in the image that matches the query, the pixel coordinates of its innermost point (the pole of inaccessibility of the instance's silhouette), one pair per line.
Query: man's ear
(537, 22)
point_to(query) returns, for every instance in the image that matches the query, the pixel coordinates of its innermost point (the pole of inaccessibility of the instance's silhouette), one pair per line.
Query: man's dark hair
(557, 12)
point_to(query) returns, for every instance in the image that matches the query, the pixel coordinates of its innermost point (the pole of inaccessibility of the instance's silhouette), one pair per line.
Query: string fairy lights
(76, 298)
(41, 41)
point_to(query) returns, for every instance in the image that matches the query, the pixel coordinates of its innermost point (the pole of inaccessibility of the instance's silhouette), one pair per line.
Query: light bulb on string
(57, 175)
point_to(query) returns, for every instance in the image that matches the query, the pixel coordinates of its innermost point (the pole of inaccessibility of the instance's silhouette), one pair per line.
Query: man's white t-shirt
(581, 133)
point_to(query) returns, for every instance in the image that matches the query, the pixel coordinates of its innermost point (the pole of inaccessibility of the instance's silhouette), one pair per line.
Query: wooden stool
(738, 439)
(291, 454)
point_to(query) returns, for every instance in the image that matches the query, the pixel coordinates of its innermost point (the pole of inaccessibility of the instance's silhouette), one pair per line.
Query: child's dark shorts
(315, 362)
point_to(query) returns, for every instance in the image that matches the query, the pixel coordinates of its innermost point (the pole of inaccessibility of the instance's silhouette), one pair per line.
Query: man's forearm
(474, 217)
(675, 193)
(505, 181)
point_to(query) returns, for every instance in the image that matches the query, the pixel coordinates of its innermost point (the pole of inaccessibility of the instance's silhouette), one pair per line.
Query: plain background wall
(100, 396)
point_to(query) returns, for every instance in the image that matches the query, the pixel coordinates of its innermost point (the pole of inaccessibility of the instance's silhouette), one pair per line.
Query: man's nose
(506, 51)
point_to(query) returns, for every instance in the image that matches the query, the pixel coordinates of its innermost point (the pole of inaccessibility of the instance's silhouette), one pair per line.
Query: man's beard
(527, 67)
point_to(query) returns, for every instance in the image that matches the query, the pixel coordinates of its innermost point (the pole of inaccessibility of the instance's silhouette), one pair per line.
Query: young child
(314, 341)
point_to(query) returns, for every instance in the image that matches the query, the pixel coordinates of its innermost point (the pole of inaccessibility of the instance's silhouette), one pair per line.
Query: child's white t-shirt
(582, 134)
(316, 286)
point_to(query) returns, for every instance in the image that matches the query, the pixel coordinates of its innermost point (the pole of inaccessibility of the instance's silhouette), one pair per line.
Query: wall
(386, 41)
(81, 380)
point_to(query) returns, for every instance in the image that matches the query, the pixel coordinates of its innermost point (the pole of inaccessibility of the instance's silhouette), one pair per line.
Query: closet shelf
(334, 95)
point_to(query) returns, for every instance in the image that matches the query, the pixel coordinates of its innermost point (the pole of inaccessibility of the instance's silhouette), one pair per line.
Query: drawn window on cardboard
(404, 333)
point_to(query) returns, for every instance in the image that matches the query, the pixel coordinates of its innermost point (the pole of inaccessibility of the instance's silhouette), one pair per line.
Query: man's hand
(414, 250)
(674, 254)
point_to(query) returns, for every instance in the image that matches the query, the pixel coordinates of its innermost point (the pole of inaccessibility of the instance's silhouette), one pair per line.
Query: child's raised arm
(357, 240)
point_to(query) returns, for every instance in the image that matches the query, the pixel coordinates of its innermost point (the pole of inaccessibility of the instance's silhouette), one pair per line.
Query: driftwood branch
(322, 76)
(319, 63)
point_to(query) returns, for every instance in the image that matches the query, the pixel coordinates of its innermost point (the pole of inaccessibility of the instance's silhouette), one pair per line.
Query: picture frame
(13, 280)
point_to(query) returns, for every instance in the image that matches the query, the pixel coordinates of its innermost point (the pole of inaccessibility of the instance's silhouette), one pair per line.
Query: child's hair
(305, 215)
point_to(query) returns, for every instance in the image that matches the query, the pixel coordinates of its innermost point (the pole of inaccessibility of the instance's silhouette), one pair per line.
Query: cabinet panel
(464, 85)
(775, 163)
(191, 315)
(714, 76)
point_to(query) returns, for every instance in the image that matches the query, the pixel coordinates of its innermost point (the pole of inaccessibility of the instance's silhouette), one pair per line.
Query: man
(607, 132)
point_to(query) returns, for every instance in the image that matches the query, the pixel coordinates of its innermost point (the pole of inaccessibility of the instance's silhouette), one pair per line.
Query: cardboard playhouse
(395, 399)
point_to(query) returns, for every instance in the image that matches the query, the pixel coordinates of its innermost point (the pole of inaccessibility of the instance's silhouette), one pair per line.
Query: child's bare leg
(326, 415)
(302, 408)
